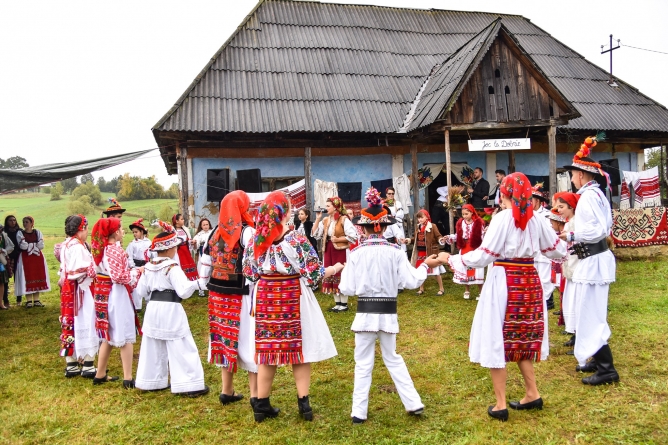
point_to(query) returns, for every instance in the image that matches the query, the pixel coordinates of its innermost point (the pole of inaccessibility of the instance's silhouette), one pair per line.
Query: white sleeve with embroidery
(592, 218)
(349, 231)
(491, 249)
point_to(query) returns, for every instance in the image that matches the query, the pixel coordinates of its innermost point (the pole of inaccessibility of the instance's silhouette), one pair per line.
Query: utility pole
(611, 82)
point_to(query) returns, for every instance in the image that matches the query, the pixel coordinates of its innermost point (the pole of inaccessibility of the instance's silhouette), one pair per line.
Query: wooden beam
(448, 180)
(414, 179)
(552, 158)
(307, 179)
(182, 156)
(511, 161)
(505, 125)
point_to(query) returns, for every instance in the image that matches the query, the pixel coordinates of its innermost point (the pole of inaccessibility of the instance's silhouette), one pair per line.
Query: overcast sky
(81, 79)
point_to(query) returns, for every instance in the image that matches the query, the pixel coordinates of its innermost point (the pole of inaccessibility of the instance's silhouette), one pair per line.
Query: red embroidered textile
(224, 312)
(517, 187)
(101, 290)
(330, 258)
(524, 324)
(278, 329)
(474, 237)
(33, 266)
(187, 263)
(67, 293)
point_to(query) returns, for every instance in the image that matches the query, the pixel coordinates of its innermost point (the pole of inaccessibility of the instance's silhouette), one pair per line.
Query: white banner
(499, 144)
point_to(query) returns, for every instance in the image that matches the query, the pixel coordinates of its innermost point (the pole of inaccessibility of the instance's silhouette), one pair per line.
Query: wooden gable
(507, 88)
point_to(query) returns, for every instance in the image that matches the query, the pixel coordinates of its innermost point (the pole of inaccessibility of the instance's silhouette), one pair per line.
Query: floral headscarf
(338, 205)
(517, 187)
(100, 236)
(471, 209)
(268, 225)
(233, 209)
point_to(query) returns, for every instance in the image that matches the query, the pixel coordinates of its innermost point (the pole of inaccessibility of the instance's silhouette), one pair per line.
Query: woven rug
(640, 227)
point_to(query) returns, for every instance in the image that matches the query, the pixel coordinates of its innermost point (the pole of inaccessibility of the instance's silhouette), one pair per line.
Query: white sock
(337, 299)
(344, 299)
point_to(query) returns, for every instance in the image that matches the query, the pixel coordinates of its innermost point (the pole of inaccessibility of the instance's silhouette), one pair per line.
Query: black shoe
(226, 400)
(570, 352)
(416, 412)
(305, 409)
(90, 371)
(37, 304)
(565, 333)
(570, 342)
(193, 394)
(606, 372)
(590, 366)
(72, 370)
(357, 420)
(129, 384)
(536, 404)
(501, 414)
(253, 401)
(104, 379)
(263, 410)
(556, 312)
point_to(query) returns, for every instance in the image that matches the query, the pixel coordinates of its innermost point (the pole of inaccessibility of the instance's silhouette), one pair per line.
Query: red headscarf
(233, 210)
(424, 213)
(338, 205)
(569, 198)
(471, 209)
(268, 225)
(517, 187)
(100, 236)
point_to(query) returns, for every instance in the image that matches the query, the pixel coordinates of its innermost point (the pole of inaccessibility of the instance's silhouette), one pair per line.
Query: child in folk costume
(509, 324)
(336, 232)
(468, 237)
(231, 327)
(32, 273)
(539, 198)
(425, 243)
(374, 272)
(77, 308)
(558, 222)
(184, 257)
(566, 205)
(167, 345)
(138, 252)
(116, 323)
(289, 325)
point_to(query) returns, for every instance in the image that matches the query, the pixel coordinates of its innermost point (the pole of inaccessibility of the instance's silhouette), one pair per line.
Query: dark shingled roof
(318, 67)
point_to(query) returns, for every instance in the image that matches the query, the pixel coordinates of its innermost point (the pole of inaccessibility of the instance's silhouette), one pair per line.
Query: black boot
(305, 409)
(590, 366)
(253, 401)
(263, 409)
(606, 372)
(570, 342)
(550, 302)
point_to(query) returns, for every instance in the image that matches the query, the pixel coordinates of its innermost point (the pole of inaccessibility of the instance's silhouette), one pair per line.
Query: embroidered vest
(226, 268)
(338, 232)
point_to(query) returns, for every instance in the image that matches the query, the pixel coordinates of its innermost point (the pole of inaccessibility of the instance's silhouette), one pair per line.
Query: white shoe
(477, 298)
(467, 295)
(336, 308)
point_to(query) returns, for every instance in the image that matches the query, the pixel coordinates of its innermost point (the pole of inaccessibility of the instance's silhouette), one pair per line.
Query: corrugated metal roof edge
(322, 74)
(201, 74)
(333, 48)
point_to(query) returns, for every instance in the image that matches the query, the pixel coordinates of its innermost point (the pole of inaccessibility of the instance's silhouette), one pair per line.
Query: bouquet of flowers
(457, 197)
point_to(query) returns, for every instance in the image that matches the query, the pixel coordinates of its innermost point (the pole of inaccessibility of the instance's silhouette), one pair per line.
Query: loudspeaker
(217, 184)
(611, 167)
(250, 181)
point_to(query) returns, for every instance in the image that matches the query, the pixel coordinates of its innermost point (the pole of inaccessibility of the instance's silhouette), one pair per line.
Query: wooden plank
(182, 156)
(507, 125)
(511, 161)
(552, 158)
(414, 179)
(308, 182)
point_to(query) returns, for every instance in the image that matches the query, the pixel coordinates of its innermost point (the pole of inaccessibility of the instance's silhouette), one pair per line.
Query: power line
(643, 49)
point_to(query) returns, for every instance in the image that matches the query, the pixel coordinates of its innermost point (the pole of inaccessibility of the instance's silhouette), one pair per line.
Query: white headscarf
(443, 193)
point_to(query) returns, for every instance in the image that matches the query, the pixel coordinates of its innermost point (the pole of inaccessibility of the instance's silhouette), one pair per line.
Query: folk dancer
(114, 210)
(375, 270)
(509, 325)
(32, 273)
(184, 258)
(557, 221)
(539, 198)
(566, 205)
(397, 212)
(289, 325)
(596, 270)
(168, 350)
(6, 249)
(231, 327)
(425, 243)
(116, 322)
(139, 253)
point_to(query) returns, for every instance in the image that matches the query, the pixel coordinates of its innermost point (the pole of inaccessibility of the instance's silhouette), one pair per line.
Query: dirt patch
(632, 253)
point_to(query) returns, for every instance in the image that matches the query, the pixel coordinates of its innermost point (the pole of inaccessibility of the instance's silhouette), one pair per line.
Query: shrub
(82, 205)
(46, 190)
(165, 214)
(91, 190)
(149, 216)
(56, 191)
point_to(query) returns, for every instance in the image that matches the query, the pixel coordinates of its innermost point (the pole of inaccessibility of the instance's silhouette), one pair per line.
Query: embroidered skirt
(524, 323)
(187, 263)
(330, 258)
(224, 322)
(116, 321)
(421, 256)
(34, 272)
(278, 326)
(67, 301)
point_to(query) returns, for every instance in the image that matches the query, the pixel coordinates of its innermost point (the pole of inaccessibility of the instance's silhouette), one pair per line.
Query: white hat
(443, 192)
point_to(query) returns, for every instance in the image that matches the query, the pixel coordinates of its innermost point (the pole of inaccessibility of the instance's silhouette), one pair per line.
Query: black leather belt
(139, 263)
(583, 250)
(168, 296)
(377, 305)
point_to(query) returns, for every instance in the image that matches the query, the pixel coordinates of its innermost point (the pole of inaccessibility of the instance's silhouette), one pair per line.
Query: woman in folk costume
(184, 257)
(509, 322)
(231, 327)
(289, 325)
(426, 243)
(116, 321)
(596, 269)
(397, 211)
(6, 249)
(32, 273)
(539, 198)
(336, 232)
(558, 222)
(167, 345)
(566, 205)
(138, 252)
(468, 237)
(12, 229)
(77, 308)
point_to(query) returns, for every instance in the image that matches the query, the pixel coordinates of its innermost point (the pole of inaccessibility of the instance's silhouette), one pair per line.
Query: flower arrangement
(456, 197)
(373, 196)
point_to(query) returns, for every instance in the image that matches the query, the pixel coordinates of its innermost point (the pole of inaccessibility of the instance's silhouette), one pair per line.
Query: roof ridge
(342, 49)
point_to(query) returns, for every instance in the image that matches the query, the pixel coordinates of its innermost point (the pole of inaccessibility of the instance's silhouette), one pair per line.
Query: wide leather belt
(168, 296)
(139, 263)
(377, 305)
(583, 250)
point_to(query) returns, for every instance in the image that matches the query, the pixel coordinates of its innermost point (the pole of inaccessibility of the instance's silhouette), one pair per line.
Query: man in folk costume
(374, 272)
(509, 324)
(231, 327)
(596, 269)
(539, 198)
(558, 222)
(114, 210)
(167, 346)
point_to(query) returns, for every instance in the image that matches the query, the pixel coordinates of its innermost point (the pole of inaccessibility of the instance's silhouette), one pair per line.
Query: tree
(654, 157)
(91, 190)
(172, 192)
(69, 184)
(102, 184)
(88, 177)
(13, 163)
(166, 213)
(56, 191)
(113, 186)
(135, 187)
(82, 205)
(45, 189)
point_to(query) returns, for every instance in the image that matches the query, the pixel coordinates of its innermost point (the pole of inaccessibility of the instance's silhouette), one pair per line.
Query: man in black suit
(494, 198)
(479, 191)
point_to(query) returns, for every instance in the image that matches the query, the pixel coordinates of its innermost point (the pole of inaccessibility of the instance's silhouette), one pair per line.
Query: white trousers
(365, 351)
(592, 327)
(179, 357)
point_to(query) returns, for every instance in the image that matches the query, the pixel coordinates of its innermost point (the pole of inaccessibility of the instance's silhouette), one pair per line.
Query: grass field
(40, 406)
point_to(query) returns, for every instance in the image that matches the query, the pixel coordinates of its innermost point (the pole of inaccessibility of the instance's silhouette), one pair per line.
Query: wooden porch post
(552, 156)
(448, 179)
(181, 158)
(307, 179)
(511, 161)
(414, 179)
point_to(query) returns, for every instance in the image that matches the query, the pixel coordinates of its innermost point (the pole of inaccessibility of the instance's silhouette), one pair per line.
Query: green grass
(50, 215)
(40, 406)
